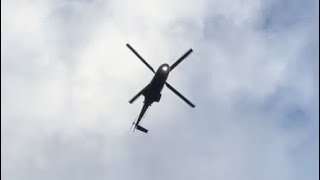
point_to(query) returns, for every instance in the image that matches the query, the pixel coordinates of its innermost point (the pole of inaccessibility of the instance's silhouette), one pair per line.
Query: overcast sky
(67, 76)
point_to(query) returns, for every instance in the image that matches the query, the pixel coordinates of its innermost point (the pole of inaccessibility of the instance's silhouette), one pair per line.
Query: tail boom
(137, 126)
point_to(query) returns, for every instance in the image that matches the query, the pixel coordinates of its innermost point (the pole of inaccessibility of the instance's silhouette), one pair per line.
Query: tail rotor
(133, 123)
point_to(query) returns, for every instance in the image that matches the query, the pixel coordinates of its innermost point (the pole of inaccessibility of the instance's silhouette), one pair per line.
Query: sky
(67, 76)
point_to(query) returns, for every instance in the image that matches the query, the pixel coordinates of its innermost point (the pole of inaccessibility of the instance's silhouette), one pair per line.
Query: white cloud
(67, 78)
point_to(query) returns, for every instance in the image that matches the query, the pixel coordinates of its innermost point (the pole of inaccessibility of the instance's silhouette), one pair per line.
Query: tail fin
(140, 128)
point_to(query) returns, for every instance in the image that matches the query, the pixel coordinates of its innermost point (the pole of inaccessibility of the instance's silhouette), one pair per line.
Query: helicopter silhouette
(152, 92)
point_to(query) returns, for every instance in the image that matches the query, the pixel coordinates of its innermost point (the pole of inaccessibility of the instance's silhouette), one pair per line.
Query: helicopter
(152, 91)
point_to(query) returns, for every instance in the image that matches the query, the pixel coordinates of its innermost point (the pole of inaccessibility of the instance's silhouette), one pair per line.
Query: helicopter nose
(165, 68)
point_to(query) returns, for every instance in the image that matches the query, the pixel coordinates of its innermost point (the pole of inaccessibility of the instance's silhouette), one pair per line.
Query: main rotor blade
(138, 55)
(135, 97)
(180, 95)
(180, 59)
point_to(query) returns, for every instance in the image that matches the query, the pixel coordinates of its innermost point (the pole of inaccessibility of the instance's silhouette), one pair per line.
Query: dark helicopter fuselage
(152, 93)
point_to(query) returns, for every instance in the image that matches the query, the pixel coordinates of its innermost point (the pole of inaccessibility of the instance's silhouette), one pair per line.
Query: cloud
(67, 78)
